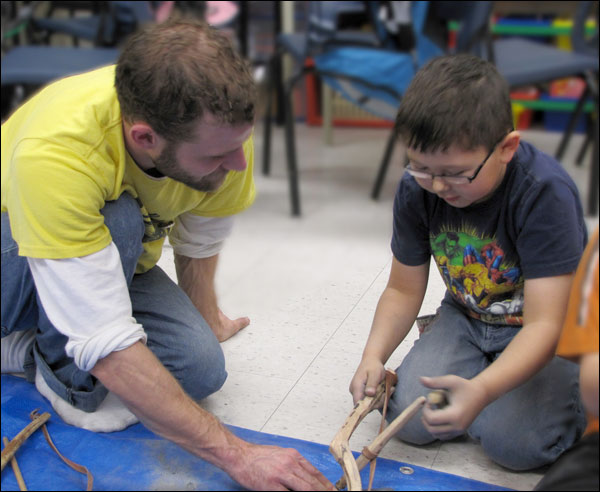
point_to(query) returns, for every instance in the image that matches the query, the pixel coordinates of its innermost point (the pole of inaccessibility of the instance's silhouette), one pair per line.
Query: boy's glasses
(451, 179)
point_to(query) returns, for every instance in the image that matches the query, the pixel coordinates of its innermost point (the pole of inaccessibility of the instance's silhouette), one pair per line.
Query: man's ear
(509, 146)
(144, 136)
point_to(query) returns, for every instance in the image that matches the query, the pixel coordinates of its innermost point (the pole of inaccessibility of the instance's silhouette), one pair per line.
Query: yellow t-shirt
(64, 156)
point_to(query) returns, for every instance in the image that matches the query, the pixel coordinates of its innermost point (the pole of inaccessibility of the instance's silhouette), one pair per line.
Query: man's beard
(167, 165)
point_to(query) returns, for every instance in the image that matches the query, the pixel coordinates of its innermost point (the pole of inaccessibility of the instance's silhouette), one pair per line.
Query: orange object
(523, 116)
(580, 329)
(570, 87)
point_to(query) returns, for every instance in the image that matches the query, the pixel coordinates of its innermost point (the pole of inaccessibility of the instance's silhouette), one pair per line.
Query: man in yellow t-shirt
(577, 468)
(97, 169)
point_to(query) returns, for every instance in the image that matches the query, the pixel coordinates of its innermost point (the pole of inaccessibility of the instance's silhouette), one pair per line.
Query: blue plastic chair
(38, 65)
(30, 67)
(354, 64)
(107, 27)
(25, 68)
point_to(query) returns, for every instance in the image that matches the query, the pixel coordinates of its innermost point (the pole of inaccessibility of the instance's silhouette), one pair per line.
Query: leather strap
(390, 381)
(72, 464)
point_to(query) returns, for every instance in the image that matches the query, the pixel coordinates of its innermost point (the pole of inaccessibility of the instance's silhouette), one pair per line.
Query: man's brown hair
(169, 75)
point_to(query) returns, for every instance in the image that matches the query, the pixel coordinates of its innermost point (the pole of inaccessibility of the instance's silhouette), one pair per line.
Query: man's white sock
(111, 416)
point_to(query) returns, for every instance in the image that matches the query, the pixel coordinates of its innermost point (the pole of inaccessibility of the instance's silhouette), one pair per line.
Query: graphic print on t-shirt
(479, 276)
(154, 227)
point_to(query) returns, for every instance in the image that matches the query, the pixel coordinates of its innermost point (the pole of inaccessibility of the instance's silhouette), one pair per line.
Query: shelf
(546, 105)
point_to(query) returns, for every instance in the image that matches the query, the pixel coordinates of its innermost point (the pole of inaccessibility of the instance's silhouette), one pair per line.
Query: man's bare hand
(226, 327)
(275, 468)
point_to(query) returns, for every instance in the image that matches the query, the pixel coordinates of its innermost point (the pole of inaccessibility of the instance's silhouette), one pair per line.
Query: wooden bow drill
(340, 446)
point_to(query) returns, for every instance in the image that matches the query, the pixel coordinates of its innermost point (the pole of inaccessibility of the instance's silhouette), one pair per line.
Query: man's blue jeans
(177, 334)
(527, 427)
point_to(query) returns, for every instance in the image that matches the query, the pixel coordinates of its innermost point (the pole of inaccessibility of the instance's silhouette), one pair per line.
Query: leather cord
(72, 464)
(390, 378)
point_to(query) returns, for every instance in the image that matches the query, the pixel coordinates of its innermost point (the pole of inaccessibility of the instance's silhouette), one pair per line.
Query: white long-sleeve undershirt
(87, 298)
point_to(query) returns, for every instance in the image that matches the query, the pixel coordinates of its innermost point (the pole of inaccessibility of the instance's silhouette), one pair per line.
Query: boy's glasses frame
(456, 180)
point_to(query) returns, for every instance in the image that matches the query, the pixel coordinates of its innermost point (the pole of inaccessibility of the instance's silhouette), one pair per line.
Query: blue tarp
(137, 459)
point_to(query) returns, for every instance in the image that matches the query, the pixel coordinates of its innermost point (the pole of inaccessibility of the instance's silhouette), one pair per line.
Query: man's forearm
(196, 277)
(137, 377)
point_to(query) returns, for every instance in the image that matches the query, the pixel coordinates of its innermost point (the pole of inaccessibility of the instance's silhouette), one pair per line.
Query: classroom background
(308, 261)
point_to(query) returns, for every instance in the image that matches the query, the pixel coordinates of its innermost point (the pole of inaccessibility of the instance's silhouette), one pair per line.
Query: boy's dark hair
(170, 74)
(457, 100)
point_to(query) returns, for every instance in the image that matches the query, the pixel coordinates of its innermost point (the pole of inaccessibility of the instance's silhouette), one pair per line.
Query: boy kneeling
(504, 224)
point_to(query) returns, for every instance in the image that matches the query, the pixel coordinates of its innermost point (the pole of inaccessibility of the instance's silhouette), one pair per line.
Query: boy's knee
(413, 432)
(519, 450)
(519, 456)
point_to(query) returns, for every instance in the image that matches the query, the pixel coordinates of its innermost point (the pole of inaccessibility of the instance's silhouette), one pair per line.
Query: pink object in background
(163, 12)
(220, 13)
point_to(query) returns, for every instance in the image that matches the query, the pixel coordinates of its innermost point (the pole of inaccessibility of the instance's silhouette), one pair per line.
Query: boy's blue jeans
(527, 427)
(177, 334)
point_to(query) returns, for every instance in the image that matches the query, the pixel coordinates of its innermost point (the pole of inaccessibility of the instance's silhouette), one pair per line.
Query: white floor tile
(247, 400)
(278, 345)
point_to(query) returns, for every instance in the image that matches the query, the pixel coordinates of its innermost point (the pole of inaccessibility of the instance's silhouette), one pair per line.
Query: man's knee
(202, 372)
(123, 218)
(19, 306)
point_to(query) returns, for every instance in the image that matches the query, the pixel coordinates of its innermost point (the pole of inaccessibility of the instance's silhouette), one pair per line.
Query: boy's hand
(369, 374)
(466, 399)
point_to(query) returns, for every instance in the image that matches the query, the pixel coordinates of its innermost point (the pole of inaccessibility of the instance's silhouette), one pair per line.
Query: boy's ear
(509, 146)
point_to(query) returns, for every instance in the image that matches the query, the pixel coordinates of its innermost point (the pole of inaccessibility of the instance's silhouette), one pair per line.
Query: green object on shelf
(551, 105)
(453, 25)
(531, 30)
(534, 30)
(14, 31)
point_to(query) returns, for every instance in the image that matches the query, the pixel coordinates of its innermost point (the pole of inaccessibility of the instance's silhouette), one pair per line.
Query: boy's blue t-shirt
(531, 227)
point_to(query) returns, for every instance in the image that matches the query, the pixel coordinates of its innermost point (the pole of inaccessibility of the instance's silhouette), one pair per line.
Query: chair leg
(266, 165)
(572, 123)
(290, 139)
(585, 145)
(383, 167)
(290, 144)
(594, 164)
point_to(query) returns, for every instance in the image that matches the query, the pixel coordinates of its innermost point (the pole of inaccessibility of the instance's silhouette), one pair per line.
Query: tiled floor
(310, 286)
